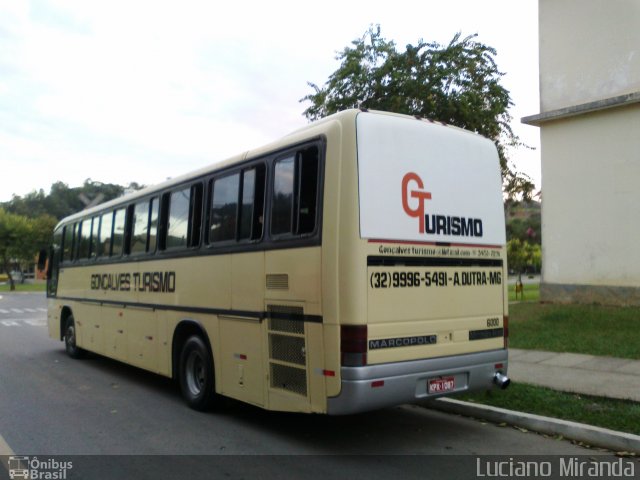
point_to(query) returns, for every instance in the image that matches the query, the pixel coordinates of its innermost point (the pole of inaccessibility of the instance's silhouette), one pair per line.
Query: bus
(355, 264)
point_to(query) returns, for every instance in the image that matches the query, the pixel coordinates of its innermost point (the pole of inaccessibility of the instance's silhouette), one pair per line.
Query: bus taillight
(353, 345)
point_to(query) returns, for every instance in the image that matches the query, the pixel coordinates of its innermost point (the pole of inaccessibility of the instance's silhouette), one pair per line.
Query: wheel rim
(71, 338)
(195, 373)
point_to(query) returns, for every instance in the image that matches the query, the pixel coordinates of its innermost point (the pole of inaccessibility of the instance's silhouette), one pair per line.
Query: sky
(141, 91)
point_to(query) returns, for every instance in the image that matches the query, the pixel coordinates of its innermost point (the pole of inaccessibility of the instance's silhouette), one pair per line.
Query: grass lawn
(24, 287)
(531, 293)
(590, 329)
(620, 415)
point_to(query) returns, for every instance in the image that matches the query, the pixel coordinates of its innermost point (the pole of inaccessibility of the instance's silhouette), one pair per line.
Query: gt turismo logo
(415, 181)
(434, 224)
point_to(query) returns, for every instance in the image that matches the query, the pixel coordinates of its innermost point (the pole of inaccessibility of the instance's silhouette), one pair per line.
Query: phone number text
(414, 279)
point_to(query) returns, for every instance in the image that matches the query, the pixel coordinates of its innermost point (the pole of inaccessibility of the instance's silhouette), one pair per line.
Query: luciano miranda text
(568, 467)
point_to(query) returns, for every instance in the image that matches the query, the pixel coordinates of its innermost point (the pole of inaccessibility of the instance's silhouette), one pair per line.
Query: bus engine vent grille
(289, 378)
(286, 319)
(286, 326)
(278, 281)
(287, 349)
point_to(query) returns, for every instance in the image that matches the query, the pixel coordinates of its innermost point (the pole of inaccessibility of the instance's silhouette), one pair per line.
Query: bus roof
(346, 116)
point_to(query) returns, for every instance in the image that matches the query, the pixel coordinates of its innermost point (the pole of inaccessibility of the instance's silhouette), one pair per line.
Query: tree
(13, 230)
(63, 200)
(458, 84)
(21, 238)
(522, 255)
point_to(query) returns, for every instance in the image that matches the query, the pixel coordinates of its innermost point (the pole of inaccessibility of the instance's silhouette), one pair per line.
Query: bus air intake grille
(286, 319)
(289, 378)
(278, 281)
(287, 349)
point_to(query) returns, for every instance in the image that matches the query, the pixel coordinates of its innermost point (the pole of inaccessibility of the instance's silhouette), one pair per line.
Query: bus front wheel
(73, 350)
(197, 379)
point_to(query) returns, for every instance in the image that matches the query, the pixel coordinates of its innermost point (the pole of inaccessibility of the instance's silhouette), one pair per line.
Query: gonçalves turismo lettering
(136, 281)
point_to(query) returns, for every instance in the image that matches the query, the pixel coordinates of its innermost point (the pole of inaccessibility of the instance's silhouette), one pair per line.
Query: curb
(595, 436)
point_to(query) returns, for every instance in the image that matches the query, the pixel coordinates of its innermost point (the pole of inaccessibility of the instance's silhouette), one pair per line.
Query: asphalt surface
(53, 405)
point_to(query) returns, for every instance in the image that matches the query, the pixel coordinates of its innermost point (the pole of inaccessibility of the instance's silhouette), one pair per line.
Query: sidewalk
(573, 372)
(569, 372)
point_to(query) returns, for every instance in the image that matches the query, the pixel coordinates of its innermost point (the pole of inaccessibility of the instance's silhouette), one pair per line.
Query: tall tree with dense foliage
(458, 84)
(21, 238)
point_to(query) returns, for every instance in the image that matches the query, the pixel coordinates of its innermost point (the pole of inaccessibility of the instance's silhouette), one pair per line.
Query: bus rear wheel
(196, 375)
(73, 350)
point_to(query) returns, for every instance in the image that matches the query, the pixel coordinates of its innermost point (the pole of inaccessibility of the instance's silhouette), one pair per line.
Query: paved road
(53, 405)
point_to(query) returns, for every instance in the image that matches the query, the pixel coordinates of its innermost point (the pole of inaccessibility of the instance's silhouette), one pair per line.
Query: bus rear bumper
(377, 386)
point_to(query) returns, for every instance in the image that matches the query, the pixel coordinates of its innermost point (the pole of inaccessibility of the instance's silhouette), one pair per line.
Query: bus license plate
(443, 384)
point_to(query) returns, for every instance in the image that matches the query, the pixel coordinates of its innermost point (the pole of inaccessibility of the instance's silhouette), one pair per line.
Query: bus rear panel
(432, 247)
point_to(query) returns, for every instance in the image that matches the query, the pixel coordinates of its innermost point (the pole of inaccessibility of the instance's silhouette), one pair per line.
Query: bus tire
(73, 350)
(196, 375)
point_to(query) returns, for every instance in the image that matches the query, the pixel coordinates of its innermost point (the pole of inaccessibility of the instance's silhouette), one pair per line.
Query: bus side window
(282, 201)
(104, 249)
(95, 236)
(117, 242)
(224, 208)
(252, 206)
(195, 215)
(140, 227)
(182, 218)
(153, 226)
(84, 234)
(54, 262)
(307, 190)
(67, 243)
(237, 206)
(295, 193)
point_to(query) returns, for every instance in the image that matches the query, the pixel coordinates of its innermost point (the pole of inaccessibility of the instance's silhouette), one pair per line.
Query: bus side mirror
(42, 259)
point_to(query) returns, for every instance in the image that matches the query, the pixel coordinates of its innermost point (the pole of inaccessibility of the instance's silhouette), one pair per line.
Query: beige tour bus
(355, 264)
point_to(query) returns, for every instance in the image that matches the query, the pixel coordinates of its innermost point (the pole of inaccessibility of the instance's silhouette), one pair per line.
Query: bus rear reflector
(353, 345)
(505, 326)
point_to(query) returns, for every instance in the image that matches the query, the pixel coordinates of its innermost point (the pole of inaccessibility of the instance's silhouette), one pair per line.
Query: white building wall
(590, 146)
(589, 50)
(591, 199)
